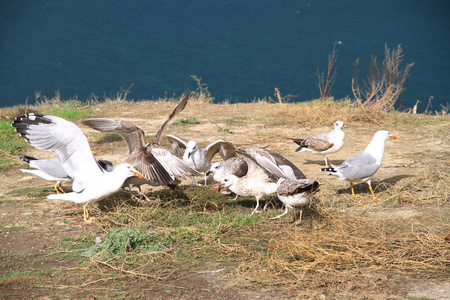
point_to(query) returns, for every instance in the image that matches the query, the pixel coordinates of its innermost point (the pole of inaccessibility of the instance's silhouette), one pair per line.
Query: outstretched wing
(52, 133)
(133, 135)
(178, 144)
(176, 111)
(225, 149)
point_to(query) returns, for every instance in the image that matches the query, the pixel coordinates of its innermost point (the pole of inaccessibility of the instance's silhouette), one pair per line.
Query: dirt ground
(419, 147)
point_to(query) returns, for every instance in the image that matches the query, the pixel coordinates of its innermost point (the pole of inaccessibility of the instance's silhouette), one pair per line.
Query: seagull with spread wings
(90, 181)
(157, 165)
(200, 158)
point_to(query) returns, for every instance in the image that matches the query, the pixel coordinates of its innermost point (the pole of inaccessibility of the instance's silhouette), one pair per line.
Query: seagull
(292, 186)
(295, 192)
(200, 158)
(49, 169)
(90, 182)
(232, 166)
(263, 166)
(324, 143)
(361, 167)
(157, 165)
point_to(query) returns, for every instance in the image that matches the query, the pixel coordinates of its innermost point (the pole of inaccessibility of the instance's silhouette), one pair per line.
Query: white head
(229, 181)
(214, 167)
(338, 125)
(383, 135)
(191, 147)
(127, 170)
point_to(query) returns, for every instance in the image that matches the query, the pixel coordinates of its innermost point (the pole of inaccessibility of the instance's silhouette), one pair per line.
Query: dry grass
(346, 247)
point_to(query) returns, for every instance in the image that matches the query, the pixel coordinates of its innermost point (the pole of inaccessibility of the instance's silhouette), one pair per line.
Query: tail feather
(27, 158)
(330, 169)
(300, 143)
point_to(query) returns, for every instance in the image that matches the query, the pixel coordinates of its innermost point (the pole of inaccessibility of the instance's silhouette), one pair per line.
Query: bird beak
(94, 152)
(189, 154)
(393, 137)
(207, 173)
(136, 173)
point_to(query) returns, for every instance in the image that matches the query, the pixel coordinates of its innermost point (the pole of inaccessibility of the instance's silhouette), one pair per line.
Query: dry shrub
(385, 84)
(322, 112)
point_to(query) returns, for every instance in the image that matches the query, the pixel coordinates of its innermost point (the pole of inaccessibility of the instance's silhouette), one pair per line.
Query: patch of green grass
(102, 138)
(10, 145)
(186, 121)
(31, 192)
(121, 240)
(68, 112)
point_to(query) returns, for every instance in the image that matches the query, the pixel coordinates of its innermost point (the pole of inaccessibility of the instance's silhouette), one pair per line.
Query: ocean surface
(240, 49)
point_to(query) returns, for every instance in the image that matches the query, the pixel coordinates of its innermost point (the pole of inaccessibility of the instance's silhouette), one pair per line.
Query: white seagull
(200, 158)
(49, 169)
(157, 165)
(324, 143)
(90, 182)
(361, 167)
(232, 166)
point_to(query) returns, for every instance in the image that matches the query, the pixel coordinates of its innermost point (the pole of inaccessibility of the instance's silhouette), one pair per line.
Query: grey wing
(225, 149)
(176, 111)
(261, 158)
(291, 187)
(134, 136)
(281, 160)
(173, 165)
(146, 163)
(52, 133)
(51, 166)
(178, 144)
(359, 166)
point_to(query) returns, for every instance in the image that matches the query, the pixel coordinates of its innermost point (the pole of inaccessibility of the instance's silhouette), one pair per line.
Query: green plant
(186, 121)
(124, 239)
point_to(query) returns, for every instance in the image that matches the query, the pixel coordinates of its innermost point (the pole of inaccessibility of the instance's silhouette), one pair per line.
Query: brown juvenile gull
(264, 168)
(157, 165)
(200, 158)
(361, 167)
(90, 182)
(295, 192)
(293, 188)
(324, 143)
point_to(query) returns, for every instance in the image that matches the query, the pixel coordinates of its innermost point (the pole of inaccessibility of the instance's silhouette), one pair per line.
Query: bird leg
(371, 190)
(85, 213)
(299, 221)
(58, 188)
(279, 216)
(256, 211)
(353, 192)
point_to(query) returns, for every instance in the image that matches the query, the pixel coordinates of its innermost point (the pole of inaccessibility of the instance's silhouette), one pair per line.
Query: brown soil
(418, 149)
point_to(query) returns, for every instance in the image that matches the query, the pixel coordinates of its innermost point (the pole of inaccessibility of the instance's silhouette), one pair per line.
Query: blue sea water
(242, 49)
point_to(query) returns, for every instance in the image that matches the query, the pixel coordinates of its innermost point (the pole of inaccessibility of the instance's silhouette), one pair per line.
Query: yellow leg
(56, 188)
(371, 190)
(85, 213)
(353, 192)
